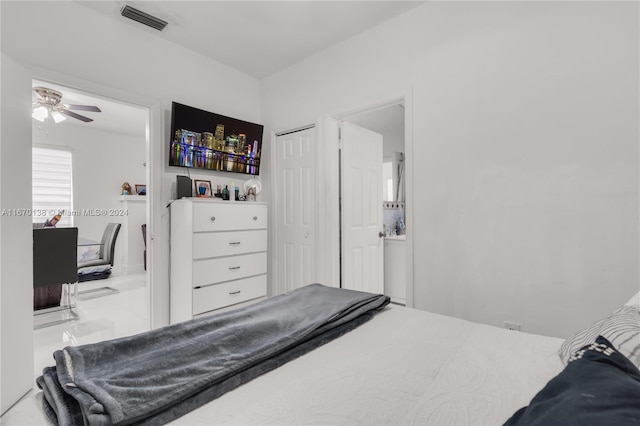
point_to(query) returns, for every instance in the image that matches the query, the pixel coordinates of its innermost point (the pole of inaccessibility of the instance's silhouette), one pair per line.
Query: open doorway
(104, 154)
(388, 121)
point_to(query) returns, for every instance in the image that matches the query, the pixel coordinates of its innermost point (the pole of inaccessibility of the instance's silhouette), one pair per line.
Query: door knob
(381, 234)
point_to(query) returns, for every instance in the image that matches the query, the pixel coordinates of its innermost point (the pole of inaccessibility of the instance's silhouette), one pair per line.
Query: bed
(404, 366)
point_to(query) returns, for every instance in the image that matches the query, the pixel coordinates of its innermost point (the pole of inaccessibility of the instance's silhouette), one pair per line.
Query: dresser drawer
(216, 244)
(209, 271)
(229, 217)
(221, 295)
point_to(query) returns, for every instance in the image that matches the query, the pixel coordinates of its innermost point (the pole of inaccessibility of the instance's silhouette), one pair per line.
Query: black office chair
(54, 268)
(54, 264)
(100, 269)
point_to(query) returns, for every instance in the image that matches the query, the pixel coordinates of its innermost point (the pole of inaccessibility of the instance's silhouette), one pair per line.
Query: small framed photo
(203, 188)
(141, 189)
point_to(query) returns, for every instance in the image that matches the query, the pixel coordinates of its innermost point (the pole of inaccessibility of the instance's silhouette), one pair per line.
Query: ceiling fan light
(57, 117)
(40, 113)
(37, 117)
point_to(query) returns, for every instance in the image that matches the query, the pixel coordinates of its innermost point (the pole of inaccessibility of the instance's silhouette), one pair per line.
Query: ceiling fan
(48, 102)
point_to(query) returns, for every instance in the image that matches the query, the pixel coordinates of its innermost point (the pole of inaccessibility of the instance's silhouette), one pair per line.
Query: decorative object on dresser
(252, 188)
(218, 256)
(203, 188)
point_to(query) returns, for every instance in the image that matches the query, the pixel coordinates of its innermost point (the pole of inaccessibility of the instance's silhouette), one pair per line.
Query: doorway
(105, 153)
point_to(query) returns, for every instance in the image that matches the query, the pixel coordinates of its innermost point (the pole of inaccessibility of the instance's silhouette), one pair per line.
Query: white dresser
(218, 255)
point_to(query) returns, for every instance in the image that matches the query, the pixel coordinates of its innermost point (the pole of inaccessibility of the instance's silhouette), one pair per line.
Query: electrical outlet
(509, 325)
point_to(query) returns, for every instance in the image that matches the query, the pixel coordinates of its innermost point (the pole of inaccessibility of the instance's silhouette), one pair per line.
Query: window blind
(52, 185)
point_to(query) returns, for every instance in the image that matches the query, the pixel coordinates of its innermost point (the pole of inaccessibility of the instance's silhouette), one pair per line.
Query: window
(52, 186)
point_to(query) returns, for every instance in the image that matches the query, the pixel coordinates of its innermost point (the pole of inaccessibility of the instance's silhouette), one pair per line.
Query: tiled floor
(100, 318)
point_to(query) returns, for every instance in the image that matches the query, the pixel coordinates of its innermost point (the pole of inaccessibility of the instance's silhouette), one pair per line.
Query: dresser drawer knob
(235, 292)
(255, 218)
(234, 267)
(213, 218)
(234, 243)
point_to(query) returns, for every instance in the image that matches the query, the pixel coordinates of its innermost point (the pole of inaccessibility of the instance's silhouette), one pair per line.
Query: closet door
(297, 207)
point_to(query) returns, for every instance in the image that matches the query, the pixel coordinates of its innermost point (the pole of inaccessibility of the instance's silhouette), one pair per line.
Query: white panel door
(297, 209)
(361, 201)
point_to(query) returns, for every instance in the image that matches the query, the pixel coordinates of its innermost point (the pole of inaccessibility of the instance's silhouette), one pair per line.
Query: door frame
(329, 185)
(157, 284)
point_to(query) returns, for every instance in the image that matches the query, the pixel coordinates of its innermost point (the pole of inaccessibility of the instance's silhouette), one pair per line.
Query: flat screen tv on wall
(208, 141)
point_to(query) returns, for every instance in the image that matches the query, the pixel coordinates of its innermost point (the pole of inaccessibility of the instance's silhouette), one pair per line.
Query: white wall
(123, 60)
(16, 244)
(525, 142)
(102, 161)
(390, 146)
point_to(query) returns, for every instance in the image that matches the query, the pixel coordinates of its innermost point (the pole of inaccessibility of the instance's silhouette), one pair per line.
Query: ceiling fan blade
(77, 116)
(84, 108)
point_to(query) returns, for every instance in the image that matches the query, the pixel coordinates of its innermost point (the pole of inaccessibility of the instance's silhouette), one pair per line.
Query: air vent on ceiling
(143, 18)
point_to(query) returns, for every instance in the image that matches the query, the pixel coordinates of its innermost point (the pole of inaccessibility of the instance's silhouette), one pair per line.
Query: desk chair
(100, 269)
(55, 252)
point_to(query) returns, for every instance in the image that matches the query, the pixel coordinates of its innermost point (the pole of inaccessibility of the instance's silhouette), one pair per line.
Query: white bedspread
(403, 367)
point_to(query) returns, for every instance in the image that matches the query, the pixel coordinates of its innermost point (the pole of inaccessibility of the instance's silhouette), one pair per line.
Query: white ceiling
(116, 117)
(258, 38)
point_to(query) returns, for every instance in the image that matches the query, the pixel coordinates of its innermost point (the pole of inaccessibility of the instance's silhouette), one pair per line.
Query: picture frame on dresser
(202, 188)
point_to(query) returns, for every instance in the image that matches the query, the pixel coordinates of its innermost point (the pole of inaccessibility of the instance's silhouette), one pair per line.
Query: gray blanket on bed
(157, 376)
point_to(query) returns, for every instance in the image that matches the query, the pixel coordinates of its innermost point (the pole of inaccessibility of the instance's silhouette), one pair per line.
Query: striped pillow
(621, 328)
